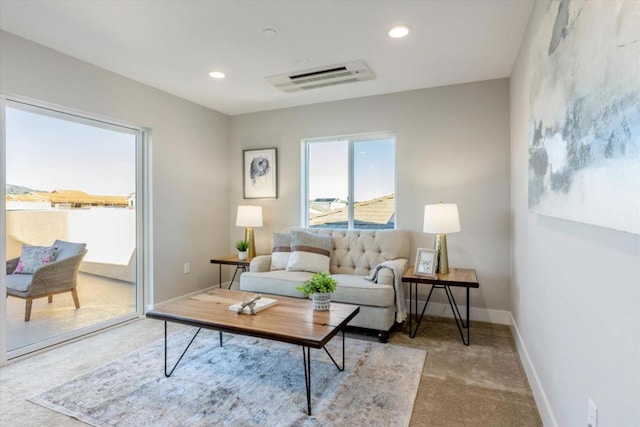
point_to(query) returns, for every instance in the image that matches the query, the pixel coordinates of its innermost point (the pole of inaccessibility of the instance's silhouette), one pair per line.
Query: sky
(46, 153)
(373, 169)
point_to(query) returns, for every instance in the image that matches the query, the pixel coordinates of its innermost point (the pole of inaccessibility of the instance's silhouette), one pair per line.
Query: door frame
(144, 238)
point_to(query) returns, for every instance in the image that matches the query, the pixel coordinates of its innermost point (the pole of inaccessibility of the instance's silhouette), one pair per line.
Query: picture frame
(260, 173)
(426, 262)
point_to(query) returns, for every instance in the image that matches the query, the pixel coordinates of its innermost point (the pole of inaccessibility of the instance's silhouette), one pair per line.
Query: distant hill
(18, 189)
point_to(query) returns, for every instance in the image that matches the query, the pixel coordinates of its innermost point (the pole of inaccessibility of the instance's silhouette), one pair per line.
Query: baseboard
(225, 285)
(500, 317)
(151, 306)
(544, 408)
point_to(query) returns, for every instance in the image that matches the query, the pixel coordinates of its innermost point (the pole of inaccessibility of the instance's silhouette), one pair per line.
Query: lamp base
(443, 257)
(248, 236)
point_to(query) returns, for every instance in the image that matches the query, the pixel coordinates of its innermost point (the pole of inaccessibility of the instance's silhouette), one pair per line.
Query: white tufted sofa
(354, 256)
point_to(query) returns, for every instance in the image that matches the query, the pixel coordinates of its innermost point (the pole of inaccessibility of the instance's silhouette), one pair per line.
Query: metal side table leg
(457, 316)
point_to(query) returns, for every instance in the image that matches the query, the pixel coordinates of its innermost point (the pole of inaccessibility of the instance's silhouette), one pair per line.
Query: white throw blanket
(397, 270)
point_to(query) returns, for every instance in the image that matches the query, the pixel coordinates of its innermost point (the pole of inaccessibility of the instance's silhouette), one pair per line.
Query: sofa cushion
(279, 282)
(310, 252)
(351, 289)
(356, 290)
(19, 282)
(34, 257)
(281, 251)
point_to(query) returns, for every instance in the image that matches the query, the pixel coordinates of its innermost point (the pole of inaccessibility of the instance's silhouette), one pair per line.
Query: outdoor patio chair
(54, 278)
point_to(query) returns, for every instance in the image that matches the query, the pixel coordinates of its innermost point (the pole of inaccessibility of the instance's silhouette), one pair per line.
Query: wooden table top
(464, 277)
(232, 260)
(291, 320)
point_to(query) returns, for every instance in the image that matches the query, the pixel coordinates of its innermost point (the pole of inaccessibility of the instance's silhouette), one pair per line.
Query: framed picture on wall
(260, 173)
(426, 262)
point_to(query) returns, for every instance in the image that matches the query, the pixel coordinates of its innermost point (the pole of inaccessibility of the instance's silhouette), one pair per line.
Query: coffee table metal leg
(306, 356)
(331, 357)
(165, 350)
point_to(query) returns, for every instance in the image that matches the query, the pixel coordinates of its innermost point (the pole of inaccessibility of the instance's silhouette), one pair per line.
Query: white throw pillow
(310, 252)
(281, 251)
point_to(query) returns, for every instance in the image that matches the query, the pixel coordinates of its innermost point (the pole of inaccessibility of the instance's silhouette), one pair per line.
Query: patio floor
(100, 298)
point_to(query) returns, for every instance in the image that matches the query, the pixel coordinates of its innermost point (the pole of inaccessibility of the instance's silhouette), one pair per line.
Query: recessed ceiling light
(399, 31)
(268, 32)
(217, 74)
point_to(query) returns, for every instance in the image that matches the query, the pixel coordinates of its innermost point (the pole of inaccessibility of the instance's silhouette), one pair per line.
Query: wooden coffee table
(291, 320)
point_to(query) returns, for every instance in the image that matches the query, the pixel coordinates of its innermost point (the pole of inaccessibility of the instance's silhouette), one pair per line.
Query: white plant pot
(242, 255)
(321, 301)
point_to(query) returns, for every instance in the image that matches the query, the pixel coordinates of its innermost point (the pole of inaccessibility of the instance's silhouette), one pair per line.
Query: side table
(458, 277)
(240, 264)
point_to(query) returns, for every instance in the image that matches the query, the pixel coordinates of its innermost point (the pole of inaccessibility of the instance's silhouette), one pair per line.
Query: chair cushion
(19, 282)
(68, 249)
(34, 257)
(281, 251)
(310, 252)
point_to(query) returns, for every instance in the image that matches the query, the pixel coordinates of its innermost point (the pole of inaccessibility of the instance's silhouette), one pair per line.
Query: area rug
(247, 381)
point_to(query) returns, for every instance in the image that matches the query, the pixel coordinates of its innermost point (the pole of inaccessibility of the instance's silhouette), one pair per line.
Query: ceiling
(173, 45)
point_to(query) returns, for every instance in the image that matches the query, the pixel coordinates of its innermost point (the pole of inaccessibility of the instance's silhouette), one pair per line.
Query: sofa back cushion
(360, 251)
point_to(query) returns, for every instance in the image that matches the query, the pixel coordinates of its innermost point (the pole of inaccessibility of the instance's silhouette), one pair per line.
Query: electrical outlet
(592, 414)
(187, 268)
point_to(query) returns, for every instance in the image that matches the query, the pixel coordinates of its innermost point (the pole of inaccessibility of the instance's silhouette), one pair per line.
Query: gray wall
(575, 292)
(189, 154)
(452, 146)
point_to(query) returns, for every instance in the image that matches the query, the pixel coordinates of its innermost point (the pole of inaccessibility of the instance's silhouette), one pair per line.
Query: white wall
(189, 154)
(452, 146)
(578, 321)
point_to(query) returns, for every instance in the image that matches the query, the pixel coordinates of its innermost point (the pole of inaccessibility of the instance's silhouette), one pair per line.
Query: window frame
(351, 139)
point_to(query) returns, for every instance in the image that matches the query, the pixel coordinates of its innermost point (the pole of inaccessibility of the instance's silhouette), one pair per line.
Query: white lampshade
(249, 216)
(441, 218)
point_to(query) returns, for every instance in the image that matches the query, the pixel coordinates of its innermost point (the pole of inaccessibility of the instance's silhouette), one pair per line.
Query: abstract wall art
(584, 143)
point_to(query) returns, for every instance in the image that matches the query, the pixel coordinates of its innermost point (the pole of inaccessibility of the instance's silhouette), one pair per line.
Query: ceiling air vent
(349, 72)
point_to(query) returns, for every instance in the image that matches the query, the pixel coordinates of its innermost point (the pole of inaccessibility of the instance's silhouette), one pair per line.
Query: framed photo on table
(260, 173)
(426, 262)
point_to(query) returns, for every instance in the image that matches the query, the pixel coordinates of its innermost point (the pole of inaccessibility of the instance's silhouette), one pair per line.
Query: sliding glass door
(69, 178)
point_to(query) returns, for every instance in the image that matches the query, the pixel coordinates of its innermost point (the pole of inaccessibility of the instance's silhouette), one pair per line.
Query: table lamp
(249, 217)
(440, 219)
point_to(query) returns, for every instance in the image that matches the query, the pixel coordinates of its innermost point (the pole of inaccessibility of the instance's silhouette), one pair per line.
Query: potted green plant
(242, 246)
(320, 286)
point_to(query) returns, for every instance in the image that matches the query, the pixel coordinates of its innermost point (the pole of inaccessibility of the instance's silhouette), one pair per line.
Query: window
(350, 182)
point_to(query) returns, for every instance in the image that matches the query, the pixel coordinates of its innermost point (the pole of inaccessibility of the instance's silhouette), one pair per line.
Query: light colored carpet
(246, 382)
